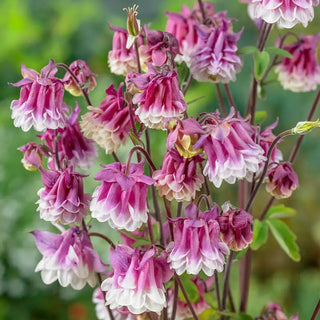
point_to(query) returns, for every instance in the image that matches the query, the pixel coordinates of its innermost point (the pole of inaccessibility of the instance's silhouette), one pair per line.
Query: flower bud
(133, 24)
(305, 127)
(33, 155)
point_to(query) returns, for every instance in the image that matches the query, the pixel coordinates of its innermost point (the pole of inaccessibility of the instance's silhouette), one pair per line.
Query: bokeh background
(32, 31)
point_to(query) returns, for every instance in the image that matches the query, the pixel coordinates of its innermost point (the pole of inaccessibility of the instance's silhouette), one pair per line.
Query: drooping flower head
(73, 146)
(215, 58)
(178, 179)
(235, 227)
(138, 280)
(68, 257)
(109, 123)
(33, 155)
(301, 73)
(121, 199)
(282, 180)
(275, 312)
(197, 245)
(62, 199)
(231, 152)
(41, 103)
(286, 13)
(86, 79)
(160, 99)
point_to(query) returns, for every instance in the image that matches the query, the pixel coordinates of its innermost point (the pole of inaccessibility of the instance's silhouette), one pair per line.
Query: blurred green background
(32, 31)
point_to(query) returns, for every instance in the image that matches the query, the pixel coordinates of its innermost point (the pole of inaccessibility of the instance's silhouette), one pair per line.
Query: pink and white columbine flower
(161, 98)
(67, 257)
(109, 123)
(231, 151)
(178, 179)
(121, 199)
(62, 199)
(215, 58)
(40, 104)
(73, 146)
(235, 227)
(282, 180)
(138, 280)
(197, 245)
(286, 13)
(301, 73)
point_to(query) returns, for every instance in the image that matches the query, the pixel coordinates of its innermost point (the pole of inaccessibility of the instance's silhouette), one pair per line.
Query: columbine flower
(178, 179)
(68, 258)
(215, 58)
(235, 228)
(73, 146)
(160, 99)
(197, 245)
(40, 104)
(282, 180)
(138, 280)
(121, 199)
(231, 152)
(33, 155)
(84, 75)
(275, 312)
(286, 13)
(62, 199)
(301, 73)
(109, 123)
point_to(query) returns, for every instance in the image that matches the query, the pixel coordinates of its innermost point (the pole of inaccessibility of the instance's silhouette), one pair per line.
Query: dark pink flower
(138, 280)
(86, 78)
(178, 179)
(68, 257)
(161, 98)
(301, 73)
(121, 199)
(282, 180)
(40, 104)
(197, 245)
(109, 123)
(62, 199)
(33, 155)
(73, 146)
(235, 228)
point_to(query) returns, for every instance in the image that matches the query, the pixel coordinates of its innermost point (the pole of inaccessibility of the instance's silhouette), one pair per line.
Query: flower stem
(175, 299)
(137, 55)
(245, 281)
(229, 95)
(220, 101)
(203, 12)
(56, 151)
(96, 234)
(217, 289)
(104, 294)
(316, 311)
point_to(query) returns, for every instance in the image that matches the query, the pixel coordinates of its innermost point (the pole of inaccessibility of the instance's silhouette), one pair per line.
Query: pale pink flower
(197, 245)
(138, 280)
(286, 13)
(68, 257)
(178, 179)
(62, 199)
(275, 312)
(121, 199)
(40, 104)
(109, 123)
(33, 155)
(301, 73)
(161, 98)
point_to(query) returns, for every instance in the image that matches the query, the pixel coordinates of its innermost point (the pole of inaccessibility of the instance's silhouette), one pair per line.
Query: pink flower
(40, 104)
(62, 199)
(215, 58)
(33, 155)
(275, 312)
(160, 99)
(73, 146)
(197, 245)
(68, 258)
(286, 13)
(121, 199)
(109, 123)
(235, 227)
(282, 180)
(301, 73)
(178, 179)
(231, 151)
(84, 75)
(138, 280)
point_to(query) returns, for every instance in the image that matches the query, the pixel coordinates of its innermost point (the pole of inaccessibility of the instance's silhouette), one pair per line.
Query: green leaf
(247, 50)
(156, 231)
(260, 234)
(240, 254)
(191, 289)
(260, 116)
(210, 299)
(285, 237)
(209, 314)
(279, 52)
(135, 140)
(280, 212)
(261, 63)
(243, 316)
(141, 242)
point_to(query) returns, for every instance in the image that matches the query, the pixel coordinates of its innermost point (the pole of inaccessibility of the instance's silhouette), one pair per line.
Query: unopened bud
(305, 127)
(133, 24)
